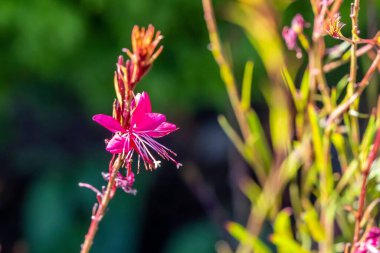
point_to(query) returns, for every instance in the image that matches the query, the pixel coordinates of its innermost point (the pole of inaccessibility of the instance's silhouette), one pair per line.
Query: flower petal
(141, 105)
(118, 144)
(149, 121)
(164, 129)
(108, 122)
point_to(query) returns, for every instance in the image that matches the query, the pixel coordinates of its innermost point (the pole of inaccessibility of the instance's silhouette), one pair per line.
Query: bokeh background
(57, 59)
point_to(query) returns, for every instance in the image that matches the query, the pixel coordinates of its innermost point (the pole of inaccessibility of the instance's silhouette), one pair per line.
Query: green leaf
(251, 189)
(234, 137)
(247, 86)
(290, 84)
(287, 245)
(310, 179)
(246, 151)
(242, 235)
(347, 176)
(367, 140)
(292, 162)
(282, 225)
(305, 88)
(312, 222)
(295, 199)
(316, 136)
(283, 236)
(257, 139)
(340, 145)
(279, 118)
(341, 85)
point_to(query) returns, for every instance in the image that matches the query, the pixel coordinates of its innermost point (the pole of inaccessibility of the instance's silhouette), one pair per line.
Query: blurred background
(56, 70)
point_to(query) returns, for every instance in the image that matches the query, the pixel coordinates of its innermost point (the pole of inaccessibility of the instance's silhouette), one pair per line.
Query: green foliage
(318, 150)
(240, 233)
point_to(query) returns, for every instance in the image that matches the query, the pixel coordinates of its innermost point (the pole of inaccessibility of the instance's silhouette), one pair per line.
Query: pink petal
(141, 106)
(149, 121)
(108, 122)
(164, 129)
(118, 144)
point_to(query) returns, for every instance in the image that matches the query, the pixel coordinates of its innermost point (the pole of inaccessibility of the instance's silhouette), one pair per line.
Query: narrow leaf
(312, 222)
(289, 83)
(242, 235)
(247, 86)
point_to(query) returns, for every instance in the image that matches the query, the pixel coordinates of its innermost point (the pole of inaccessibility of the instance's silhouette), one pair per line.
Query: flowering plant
(133, 125)
(321, 151)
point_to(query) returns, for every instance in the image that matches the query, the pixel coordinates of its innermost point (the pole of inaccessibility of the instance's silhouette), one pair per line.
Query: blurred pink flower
(371, 243)
(290, 37)
(144, 126)
(298, 23)
(290, 34)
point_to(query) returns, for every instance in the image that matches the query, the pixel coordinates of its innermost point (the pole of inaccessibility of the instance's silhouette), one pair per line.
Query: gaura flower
(140, 134)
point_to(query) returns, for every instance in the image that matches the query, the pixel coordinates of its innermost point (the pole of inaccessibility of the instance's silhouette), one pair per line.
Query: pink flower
(123, 182)
(290, 37)
(371, 243)
(139, 135)
(298, 23)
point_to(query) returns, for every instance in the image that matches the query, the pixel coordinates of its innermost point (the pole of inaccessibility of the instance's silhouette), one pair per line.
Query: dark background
(56, 70)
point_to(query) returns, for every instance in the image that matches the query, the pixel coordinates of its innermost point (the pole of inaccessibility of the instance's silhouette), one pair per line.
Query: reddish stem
(363, 191)
(98, 216)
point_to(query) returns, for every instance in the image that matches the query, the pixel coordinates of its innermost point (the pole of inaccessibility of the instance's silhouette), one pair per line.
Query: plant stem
(100, 212)
(317, 81)
(225, 70)
(361, 86)
(363, 191)
(353, 70)
(335, 64)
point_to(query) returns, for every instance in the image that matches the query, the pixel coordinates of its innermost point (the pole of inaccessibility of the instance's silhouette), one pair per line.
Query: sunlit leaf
(242, 235)
(282, 225)
(279, 118)
(287, 245)
(290, 84)
(312, 222)
(247, 86)
(305, 88)
(251, 189)
(258, 139)
(341, 85)
(367, 139)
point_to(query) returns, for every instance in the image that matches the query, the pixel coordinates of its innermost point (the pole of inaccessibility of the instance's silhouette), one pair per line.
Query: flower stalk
(133, 125)
(363, 190)
(225, 69)
(101, 209)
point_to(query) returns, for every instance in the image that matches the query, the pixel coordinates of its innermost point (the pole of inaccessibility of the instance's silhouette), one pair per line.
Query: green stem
(225, 70)
(353, 72)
